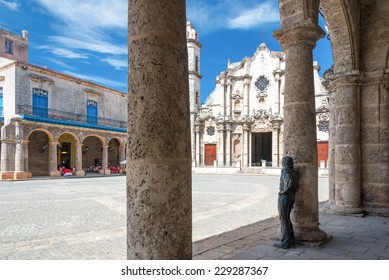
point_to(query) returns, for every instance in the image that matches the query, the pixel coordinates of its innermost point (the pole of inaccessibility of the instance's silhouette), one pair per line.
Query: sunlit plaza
(85, 218)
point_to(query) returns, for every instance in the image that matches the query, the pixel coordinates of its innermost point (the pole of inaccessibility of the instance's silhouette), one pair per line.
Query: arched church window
(197, 64)
(262, 83)
(197, 98)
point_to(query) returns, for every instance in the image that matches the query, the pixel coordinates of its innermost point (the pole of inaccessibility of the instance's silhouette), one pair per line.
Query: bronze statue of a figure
(288, 187)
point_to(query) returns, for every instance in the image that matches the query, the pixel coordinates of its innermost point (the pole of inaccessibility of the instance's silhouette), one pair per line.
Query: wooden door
(322, 152)
(210, 154)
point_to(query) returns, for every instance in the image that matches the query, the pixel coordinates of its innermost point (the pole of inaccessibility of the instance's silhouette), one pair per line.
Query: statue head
(287, 162)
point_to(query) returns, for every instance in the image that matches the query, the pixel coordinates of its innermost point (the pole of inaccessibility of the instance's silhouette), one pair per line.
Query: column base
(21, 175)
(312, 237)
(80, 173)
(344, 210)
(105, 171)
(7, 175)
(55, 174)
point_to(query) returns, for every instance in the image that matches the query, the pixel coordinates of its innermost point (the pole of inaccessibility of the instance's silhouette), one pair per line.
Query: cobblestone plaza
(85, 218)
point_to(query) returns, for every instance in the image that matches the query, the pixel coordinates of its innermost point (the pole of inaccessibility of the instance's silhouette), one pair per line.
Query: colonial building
(51, 121)
(242, 120)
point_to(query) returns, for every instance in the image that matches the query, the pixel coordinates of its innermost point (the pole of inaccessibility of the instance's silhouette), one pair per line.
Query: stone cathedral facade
(241, 123)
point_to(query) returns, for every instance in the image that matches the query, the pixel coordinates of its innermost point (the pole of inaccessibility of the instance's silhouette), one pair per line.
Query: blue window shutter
(39, 104)
(91, 112)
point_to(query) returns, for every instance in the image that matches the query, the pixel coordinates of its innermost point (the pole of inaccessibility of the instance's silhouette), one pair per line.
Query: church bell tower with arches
(194, 47)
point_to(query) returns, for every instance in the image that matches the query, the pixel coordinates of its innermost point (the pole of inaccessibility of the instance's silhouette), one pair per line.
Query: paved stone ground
(84, 218)
(353, 238)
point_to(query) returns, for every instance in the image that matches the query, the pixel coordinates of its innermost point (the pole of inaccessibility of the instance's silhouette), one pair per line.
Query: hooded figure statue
(288, 187)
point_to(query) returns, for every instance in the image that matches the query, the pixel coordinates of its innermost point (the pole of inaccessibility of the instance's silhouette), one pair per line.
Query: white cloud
(64, 53)
(89, 25)
(12, 5)
(61, 63)
(209, 16)
(88, 13)
(264, 13)
(118, 64)
(90, 44)
(99, 80)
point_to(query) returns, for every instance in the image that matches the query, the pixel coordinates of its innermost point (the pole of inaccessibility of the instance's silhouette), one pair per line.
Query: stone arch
(92, 151)
(343, 30)
(70, 133)
(38, 152)
(114, 146)
(48, 133)
(102, 139)
(66, 149)
(236, 150)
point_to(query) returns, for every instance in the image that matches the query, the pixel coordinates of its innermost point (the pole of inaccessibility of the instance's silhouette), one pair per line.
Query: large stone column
(159, 178)
(6, 154)
(220, 146)
(275, 146)
(228, 99)
(246, 106)
(122, 153)
(250, 147)
(347, 144)
(53, 161)
(198, 146)
(228, 144)
(19, 153)
(104, 161)
(298, 42)
(331, 148)
(245, 146)
(79, 170)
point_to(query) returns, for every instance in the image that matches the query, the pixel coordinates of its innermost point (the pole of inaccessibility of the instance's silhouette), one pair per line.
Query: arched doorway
(66, 151)
(92, 151)
(38, 153)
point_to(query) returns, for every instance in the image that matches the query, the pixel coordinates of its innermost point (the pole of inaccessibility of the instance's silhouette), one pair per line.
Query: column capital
(53, 143)
(352, 78)
(305, 32)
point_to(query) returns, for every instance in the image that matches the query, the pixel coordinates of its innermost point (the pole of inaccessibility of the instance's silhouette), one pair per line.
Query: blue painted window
(1, 101)
(91, 111)
(39, 102)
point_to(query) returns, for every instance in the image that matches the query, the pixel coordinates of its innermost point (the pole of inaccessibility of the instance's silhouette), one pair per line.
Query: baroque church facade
(241, 123)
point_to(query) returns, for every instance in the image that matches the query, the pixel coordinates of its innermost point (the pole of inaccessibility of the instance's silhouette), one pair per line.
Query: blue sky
(88, 38)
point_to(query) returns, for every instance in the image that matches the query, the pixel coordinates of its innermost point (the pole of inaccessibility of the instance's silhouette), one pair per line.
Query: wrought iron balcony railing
(48, 113)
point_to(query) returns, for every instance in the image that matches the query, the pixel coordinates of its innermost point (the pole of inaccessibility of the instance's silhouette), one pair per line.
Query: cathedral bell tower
(193, 46)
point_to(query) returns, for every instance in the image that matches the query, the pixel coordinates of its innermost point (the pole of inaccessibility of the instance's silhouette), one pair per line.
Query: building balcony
(48, 115)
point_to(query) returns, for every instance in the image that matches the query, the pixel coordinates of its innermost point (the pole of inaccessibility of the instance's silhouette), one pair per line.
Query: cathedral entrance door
(210, 154)
(261, 148)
